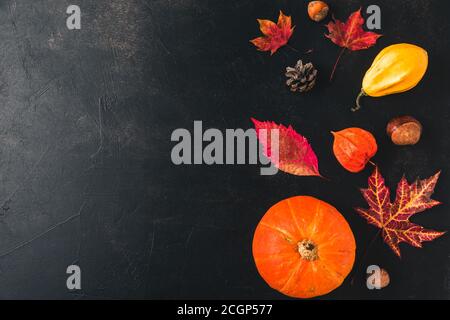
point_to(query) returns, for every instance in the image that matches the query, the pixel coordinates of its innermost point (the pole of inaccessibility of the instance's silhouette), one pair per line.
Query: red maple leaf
(275, 35)
(295, 155)
(350, 35)
(393, 218)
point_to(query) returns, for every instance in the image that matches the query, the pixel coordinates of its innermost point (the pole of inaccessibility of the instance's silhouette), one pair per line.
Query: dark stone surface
(85, 124)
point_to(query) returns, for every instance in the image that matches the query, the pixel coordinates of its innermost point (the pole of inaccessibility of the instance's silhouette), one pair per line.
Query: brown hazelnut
(384, 279)
(404, 130)
(318, 10)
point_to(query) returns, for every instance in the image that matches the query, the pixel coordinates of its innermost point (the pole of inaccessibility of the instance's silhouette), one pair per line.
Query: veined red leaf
(295, 155)
(393, 218)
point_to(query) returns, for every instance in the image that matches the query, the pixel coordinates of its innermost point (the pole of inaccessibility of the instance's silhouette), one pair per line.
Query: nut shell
(383, 281)
(404, 130)
(318, 10)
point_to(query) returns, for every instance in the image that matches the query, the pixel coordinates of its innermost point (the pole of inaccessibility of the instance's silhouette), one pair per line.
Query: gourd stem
(358, 99)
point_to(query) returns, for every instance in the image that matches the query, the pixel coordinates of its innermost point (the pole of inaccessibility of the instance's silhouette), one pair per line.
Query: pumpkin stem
(308, 250)
(358, 98)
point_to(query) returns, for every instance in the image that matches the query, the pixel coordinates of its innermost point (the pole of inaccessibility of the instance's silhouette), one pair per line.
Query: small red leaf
(393, 218)
(275, 35)
(295, 155)
(350, 35)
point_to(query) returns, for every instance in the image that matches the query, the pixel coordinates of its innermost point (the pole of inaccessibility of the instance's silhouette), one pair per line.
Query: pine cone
(302, 77)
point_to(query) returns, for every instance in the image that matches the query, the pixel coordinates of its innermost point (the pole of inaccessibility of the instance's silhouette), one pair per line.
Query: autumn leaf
(350, 35)
(393, 218)
(295, 155)
(275, 35)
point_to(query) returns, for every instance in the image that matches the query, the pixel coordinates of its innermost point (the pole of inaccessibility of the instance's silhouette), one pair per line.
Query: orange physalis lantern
(353, 148)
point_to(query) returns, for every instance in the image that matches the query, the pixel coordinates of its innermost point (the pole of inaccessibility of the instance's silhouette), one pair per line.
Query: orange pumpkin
(353, 148)
(303, 247)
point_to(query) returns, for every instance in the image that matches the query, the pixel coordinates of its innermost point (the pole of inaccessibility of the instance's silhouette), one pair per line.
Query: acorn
(318, 10)
(404, 130)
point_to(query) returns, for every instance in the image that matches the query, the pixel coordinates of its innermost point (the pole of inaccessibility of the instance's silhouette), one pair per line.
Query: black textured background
(85, 124)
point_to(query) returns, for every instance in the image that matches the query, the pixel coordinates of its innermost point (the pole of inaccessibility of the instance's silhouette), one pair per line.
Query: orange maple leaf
(275, 35)
(393, 218)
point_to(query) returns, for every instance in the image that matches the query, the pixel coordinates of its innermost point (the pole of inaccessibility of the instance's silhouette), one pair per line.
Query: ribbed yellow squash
(396, 69)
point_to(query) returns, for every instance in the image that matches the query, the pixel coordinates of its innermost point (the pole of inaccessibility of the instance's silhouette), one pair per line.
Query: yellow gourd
(396, 69)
